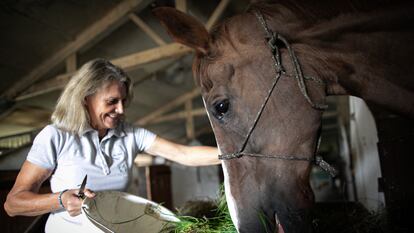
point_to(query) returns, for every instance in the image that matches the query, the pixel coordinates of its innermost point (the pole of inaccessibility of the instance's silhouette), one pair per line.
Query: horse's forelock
(200, 73)
(219, 37)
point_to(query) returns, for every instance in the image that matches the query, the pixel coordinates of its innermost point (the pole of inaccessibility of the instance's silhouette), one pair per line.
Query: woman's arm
(186, 155)
(24, 199)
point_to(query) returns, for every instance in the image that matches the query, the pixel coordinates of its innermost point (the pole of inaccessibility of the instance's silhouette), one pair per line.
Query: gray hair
(70, 112)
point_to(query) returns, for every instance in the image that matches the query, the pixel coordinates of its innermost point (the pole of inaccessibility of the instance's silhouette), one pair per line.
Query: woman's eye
(112, 101)
(221, 108)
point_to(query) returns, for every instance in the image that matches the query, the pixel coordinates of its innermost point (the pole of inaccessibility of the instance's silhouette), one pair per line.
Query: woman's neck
(102, 133)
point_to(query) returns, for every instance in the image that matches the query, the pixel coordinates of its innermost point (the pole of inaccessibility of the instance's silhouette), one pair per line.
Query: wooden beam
(71, 63)
(189, 122)
(203, 130)
(136, 60)
(178, 116)
(143, 160)
(128, 63)
(45, 87)
(169, 106)
(144, 27)
(106, 23)
(217, 13)
(200, 131)
(181, 5)
(28, 116)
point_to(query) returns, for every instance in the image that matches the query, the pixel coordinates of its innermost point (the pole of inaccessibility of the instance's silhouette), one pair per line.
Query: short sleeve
(144, 138)
(45, 148)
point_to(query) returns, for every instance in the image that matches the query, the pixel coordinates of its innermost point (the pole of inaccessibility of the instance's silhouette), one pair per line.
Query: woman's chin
(112, 124)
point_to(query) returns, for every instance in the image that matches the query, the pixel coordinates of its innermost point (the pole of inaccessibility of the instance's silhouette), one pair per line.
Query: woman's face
(106, 106)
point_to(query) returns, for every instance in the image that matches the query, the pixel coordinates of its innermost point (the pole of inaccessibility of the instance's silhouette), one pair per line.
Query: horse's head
(275, 136)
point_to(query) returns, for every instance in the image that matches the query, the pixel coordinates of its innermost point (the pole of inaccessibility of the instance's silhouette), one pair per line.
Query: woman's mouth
(113, 117)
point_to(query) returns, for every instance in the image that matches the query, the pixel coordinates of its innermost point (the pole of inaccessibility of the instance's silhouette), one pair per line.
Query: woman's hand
(73, 203)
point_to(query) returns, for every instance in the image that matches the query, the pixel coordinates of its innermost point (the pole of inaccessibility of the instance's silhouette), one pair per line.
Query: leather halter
(272, 39)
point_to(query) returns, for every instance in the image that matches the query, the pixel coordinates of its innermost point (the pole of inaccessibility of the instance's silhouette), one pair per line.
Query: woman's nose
(120, 108)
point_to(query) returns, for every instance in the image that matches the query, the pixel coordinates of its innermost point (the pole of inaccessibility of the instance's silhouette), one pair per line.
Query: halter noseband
(272, 39)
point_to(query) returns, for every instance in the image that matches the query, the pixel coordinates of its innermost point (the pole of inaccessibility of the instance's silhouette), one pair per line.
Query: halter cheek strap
(272, 39)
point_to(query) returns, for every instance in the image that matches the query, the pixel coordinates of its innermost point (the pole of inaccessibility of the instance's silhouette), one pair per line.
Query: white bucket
(113, 211)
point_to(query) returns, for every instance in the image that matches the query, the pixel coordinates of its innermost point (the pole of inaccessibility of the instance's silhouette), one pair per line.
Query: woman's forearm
(183, 154)
(27, 203)
(199, 156)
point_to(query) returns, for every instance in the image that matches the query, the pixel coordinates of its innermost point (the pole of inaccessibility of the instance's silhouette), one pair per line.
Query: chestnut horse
(264, 76)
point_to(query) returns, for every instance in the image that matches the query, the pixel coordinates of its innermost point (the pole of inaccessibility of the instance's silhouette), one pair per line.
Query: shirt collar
(87, 130)
(118, 131)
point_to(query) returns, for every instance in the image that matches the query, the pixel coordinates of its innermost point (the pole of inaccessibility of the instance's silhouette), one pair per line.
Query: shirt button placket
(105, 167)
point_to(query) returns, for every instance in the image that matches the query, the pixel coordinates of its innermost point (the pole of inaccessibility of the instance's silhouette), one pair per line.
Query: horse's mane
(321, 10)
(308, 23)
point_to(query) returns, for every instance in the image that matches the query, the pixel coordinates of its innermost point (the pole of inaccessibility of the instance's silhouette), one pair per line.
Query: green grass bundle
(205, 217)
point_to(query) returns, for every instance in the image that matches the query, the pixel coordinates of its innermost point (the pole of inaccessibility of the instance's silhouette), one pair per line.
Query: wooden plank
(71, 63)
(46, 86)
(136, 60)
(217, 13)
(105, 24)
(144, 27)
(25, 117)
(169, 106)
(189, 122)
(128, 63)
(178, 116)
(181, 5)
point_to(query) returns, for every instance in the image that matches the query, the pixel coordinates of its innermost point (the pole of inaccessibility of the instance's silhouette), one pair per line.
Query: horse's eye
(221, 108)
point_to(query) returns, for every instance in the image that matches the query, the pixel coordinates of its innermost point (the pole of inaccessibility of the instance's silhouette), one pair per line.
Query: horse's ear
(183, 28)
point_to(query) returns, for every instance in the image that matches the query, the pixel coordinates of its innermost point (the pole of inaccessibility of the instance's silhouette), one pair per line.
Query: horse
(264, 76)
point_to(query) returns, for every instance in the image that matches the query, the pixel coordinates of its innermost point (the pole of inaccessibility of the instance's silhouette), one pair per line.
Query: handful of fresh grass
(215, 218)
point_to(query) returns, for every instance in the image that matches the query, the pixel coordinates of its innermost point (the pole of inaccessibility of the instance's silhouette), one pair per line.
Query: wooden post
(189, 123)
(158, 178)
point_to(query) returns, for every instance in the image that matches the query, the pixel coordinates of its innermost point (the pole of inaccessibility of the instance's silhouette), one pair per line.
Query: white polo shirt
(107, 162)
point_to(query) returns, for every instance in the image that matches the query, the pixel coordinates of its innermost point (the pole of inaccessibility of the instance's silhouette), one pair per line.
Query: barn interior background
(43, 42)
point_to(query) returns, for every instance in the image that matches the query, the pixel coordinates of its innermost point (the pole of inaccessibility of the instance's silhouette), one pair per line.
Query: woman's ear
(183, 28)
(85, 101)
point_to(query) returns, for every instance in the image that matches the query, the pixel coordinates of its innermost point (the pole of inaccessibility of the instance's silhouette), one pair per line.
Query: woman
(89, 136)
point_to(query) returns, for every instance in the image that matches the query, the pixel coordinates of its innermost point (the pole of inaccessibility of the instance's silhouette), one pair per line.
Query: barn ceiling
(44, 41)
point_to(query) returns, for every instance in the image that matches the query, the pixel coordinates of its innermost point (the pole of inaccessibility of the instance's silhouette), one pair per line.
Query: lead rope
(273, 37)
